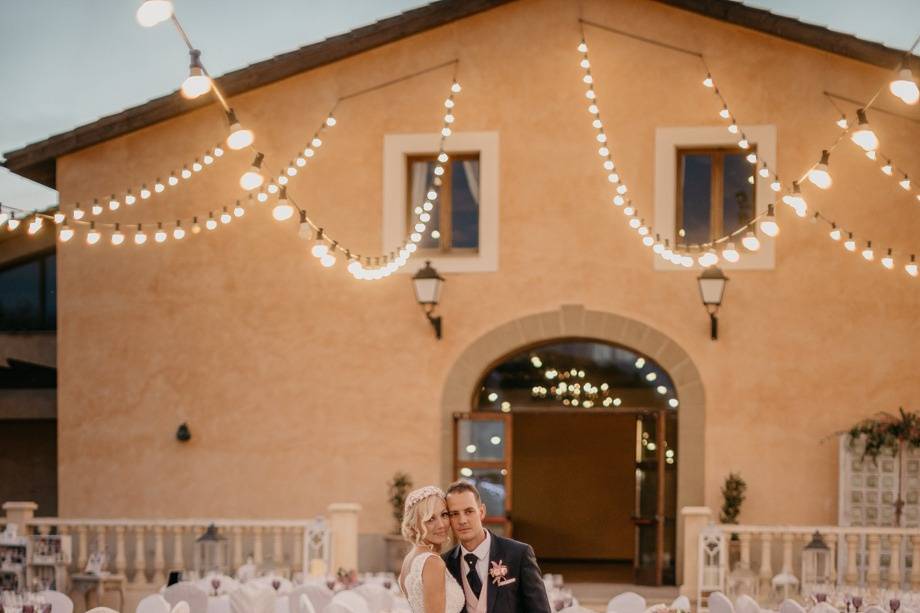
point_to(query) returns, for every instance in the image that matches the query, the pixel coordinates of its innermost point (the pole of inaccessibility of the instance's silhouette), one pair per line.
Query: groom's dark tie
(472, 577)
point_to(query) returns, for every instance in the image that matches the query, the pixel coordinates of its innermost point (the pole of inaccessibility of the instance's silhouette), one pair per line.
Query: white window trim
(396, 148)
(667, 141)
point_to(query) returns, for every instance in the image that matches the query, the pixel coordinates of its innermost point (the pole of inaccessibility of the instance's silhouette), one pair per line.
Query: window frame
(667, 139)
(40, 257)
(716, 187)
(444, 202)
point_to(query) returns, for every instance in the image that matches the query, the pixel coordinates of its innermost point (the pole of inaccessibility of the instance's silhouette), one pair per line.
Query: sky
(65, 63)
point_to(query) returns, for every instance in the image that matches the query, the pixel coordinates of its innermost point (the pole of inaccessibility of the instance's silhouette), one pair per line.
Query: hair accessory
(416, 496)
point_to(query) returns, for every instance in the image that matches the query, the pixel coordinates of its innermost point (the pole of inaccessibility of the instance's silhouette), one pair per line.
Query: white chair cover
(100, 610)
(873, 609)
(681, 603)
(196, 597)
(719, 603)
(181, 607)
(303, 604)
(351, 600)
(246, 572)
(746, 604)
(319, 595)
(379, 599)
(790, 606)
(60, 602)
(627, 602)
(154, 603)
(253, 598)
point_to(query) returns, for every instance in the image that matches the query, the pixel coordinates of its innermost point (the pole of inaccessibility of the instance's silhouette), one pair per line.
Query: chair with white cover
(826, 607)
(681, 603)
(353, 602)
(302, 604)
(719, 603)
(253, 598)
(60, 602)
(790, 606)
(627, 602)
(319, 596)
(873, 609)
(154, 603)
(194, 596)
(181, 607)
(379, 599)
(100, 610)
(746, 604)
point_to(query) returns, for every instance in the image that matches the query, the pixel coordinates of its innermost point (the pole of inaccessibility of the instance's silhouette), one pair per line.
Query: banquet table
(221, 604)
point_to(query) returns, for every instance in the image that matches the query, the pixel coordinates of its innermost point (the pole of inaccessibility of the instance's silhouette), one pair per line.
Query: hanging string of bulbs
(818, 174)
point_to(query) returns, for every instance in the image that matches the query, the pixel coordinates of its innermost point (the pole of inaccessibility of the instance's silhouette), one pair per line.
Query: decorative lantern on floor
(816, 565)
(211, 553)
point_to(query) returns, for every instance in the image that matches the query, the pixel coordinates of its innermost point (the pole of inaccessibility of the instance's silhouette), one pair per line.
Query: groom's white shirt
(473, 604)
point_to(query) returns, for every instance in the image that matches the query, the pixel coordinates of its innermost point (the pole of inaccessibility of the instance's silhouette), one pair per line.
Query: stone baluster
(852, 573)
(121, 560)
(788, 541)
(277, 547)
(894, 565)
(82, 555)
(831, 540)
(766, 562)
(237, 546)
(140, 557)
(100, 539)
(178, 559)
(64, 531)
(873, 574)
(297, 560)
(257, 545)
(159, 561)
(745, 560)
(44, 529)
(915, 563)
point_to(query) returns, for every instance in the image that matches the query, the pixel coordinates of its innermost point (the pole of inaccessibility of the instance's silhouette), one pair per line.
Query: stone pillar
(20, 513)
(343, 523)
(694, 520)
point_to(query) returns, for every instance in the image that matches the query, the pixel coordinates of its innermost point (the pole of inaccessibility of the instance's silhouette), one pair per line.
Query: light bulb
(35, 225)
(282, 180)
(186, 173)
(172, 180)
(648, 241)
(93, 236)
(849, 244)
(455, 88)
(911, 267)
(707, 82)
(211, 223)
(710, 258)
(871, 155)
(733, 128)
(130, 199)
(842, 123)
(582, 47)
(253, 178)
(239, 137)
(226, 217)
(328, 260)
(725, 113)
(750, 241)
(208, 159)
(262, 197)
(59, 217)
(888, 260)
(751, 157)
(769, 226)
(117, 237)
(863, 134)
(77, 213)
(316, 143)
(764, 172)
(140, 237)
(178, 231)
(905, 87)
(152, 12)
(796, 201)
(158, 187)
(96, 208)
(867, 253)
(776, 185)
(238, 210)
(319, 248)
(301, 161)
(113, 203)
(905, 183)
(634, 223)
(819, 174)
(160, 235)
(744, 144)
(283, 210)
(835, 233)
(272, 188)
(730, 254)
(66, 233)
(888, 169)
(197, 83)
(196, 228)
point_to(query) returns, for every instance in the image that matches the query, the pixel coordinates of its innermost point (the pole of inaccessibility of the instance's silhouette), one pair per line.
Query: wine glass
(215, 583)
(276, 583)
(894, 604)
(857, 602)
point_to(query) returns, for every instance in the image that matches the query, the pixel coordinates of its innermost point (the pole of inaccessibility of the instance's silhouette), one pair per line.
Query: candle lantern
(211, 552)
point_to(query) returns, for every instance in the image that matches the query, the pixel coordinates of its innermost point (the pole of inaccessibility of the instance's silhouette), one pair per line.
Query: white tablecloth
(221, 604)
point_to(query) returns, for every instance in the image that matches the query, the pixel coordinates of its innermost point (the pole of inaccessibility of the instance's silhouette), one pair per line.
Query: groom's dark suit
(526, 595)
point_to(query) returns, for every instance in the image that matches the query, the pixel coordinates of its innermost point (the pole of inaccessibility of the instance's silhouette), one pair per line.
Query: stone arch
(574, 321)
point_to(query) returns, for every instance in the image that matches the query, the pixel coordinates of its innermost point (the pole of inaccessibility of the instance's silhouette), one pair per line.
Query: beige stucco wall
(303, 386)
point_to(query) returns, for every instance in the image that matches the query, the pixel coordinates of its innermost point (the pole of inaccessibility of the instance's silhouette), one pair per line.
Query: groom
(498, 575)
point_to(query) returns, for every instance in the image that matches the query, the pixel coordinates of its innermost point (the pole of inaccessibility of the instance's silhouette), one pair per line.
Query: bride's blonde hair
(420, 507)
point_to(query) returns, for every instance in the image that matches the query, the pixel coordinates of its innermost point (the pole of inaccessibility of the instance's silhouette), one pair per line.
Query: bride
(425, 579)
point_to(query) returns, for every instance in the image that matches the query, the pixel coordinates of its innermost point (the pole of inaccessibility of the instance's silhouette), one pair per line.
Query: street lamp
(427, 284)
(712, 287)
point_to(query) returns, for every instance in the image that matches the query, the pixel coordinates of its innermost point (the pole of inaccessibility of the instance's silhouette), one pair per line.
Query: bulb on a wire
(252, 178)
(835, 232)
(239, 137)
(140, 237)
(819, 175)
(750, 241)
(197, 83)
(178, 231)
(796, 200)
(863, 134)
(911, 266)
(283, 210)
(152, 12)
(730, 254)
(850, 243)
(93, 236)
(905, 87)
(66, 233)
(117, 236)
(868, 253)
(768, 225)
(888, 260)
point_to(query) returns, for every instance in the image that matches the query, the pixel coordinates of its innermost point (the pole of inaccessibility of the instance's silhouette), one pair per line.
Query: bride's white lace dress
(454, 601)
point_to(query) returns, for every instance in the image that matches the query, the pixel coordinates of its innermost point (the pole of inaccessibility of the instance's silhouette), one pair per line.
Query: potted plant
(396, 546)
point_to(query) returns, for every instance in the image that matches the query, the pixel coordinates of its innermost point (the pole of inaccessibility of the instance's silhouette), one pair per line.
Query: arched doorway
(609, 342)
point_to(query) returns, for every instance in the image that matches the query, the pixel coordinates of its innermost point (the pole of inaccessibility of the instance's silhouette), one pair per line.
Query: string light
(911, 266)
(768, 224)
(252, 178)
(819, 174)
(140, 237)
(850, 243)
(197, 83)
(211, 223)
(239, 137)
(867, 253)
(863, 134)
(283, 210)
(796, 200)
(888, 260)
(750, 241)
(905, 87)
(160, 235)
(65, 233)
(835, 233)
(35, 225)
(117, 236)
(93, 236)
(152, 12)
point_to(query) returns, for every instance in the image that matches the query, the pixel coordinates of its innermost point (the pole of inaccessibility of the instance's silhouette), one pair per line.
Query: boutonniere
(499, 573)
